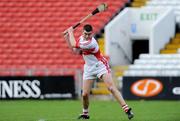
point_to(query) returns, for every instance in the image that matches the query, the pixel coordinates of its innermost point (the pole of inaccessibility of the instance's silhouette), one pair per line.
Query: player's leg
(111, 86)
(107, 78)
(85, 93)
(85, 98)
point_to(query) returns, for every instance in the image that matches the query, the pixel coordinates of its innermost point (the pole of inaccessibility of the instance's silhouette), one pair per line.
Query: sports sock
(125, 107)
(85, 111)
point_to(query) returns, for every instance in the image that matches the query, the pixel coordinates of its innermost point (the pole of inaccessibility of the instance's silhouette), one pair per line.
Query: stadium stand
(30, 34)
(155, 65)
(172, 46)
(167, 62)
(138, 3)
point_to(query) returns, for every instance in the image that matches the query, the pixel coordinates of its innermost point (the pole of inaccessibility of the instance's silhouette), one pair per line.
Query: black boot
(83, 116)
(130, 114)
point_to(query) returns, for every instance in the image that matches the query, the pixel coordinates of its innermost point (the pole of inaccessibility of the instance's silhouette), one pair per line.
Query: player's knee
(110, 88)
(110, 85)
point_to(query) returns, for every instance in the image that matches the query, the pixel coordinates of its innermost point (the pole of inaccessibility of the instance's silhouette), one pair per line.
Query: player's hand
(66, 36)
(70, 29)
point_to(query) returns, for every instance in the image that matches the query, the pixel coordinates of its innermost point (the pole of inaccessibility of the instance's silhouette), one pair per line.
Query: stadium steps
(119, 70)
(168, 51)
(100, 89)
(173, 46)
(138, 3)
(148, 65)
(101, 42)
(177, 35)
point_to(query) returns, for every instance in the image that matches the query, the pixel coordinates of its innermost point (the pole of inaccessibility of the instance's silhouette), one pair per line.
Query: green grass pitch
(68, 110)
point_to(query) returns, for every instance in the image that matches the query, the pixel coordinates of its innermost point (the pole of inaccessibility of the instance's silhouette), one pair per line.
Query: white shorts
(94, 71)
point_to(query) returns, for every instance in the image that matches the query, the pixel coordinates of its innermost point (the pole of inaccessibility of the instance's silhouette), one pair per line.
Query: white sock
(85, 111)
(125, 108)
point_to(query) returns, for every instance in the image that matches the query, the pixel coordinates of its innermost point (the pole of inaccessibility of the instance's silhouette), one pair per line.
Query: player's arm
(72, 40)
(69, 41)
(66, 37)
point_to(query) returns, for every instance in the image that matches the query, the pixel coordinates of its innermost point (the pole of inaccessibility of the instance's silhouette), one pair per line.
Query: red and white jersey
(91, 52)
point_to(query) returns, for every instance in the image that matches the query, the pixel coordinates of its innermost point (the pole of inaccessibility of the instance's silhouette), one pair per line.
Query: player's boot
(130, 114)
(84, 116)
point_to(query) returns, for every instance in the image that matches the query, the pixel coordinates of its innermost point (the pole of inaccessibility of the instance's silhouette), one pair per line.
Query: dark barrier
(151, 88)
(50, 87)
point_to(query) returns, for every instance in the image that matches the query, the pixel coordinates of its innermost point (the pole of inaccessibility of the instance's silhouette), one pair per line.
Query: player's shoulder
(93, 39)
(81, 38)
